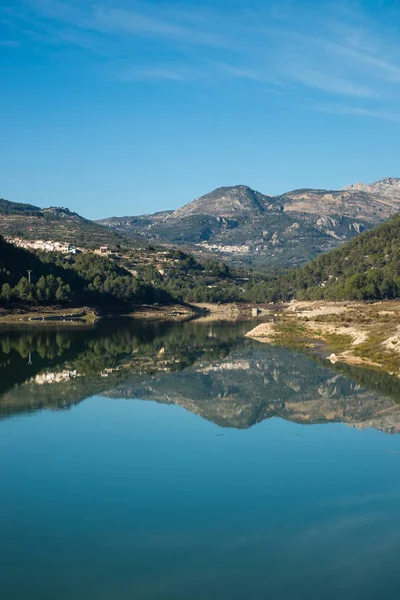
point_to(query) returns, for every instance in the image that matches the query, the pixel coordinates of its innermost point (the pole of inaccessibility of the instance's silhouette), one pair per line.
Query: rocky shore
(352, 332)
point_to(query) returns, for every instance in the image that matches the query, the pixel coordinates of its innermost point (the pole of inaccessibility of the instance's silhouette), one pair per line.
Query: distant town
(63, 247)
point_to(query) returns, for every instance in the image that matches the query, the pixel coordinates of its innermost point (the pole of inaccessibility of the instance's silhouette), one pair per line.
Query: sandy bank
(353, 332)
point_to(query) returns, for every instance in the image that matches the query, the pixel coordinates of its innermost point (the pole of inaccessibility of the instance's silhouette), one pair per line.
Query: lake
(187, 462)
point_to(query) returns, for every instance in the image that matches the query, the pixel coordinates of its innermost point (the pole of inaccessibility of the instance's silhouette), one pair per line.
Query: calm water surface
(186, 462)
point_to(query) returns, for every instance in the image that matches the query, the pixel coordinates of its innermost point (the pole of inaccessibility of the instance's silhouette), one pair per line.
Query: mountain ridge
(385, 186)
(224, 201)
(246, 227)
(235, 224)
(56, 223)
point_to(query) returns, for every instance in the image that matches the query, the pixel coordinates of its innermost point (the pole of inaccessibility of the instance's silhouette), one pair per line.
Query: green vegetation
(367, 268)
(17, 208)
(373, 351)
(57, 224)
(84, 279)
(189, 280)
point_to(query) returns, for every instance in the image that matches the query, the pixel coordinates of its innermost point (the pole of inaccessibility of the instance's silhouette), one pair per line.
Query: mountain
(365, 268)
(247, 227)
(57, 224)
(389, 187)
(237, 201)
(236, 224)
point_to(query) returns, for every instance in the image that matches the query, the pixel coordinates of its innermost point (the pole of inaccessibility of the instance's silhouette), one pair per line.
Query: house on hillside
(103, 250)
(67, 249)
(106, 251)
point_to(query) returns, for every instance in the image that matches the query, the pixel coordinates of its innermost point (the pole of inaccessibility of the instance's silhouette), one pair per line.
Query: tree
(24, 289)
(6, 292)
(63, 291)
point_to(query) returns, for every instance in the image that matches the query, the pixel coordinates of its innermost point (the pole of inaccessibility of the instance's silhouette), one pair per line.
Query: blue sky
(118, 107)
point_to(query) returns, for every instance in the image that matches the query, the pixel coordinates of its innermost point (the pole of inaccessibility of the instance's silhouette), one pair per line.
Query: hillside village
(63, 247)
(44, 245)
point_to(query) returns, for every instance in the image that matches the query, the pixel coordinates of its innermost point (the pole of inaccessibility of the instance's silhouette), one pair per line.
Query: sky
(125, 107)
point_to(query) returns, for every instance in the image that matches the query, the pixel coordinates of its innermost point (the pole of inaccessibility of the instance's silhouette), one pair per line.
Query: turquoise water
(129, 498)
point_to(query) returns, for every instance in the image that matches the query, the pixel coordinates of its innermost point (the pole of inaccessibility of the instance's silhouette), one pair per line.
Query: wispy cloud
(359, 111)
(146, 25)
(178, 24)
(329, 50)
(328, 82)
(241, 72)
(149, 74)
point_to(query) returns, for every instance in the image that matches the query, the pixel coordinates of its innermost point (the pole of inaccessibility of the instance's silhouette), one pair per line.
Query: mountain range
(237, 224)
(244, 226)
(247, 227)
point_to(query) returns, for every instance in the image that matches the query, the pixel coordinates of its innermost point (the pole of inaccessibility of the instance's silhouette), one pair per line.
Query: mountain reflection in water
(209, 369)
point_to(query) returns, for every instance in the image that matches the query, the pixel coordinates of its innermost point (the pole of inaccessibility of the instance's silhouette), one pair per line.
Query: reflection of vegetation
(296, 336)
(370, 378)
(136, 346)
(211, 369)
(45, 345)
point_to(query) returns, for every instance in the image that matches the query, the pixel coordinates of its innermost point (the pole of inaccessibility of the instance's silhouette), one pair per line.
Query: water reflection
(209, 369)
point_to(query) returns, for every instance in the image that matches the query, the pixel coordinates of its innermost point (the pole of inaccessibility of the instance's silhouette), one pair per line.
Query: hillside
(248, 228)
(366, 268)
(234, 224)
(85, 279)
(17, 208)
(57, 224)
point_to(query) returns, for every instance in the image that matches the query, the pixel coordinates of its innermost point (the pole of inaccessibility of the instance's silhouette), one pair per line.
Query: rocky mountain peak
(388, 187)
(233, 201)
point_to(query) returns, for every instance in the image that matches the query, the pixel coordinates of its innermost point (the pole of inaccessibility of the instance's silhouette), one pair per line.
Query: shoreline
(44, 315)
(354, 332)
(83, 315)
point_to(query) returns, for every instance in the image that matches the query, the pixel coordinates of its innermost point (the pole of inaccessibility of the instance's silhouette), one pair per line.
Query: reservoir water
(187, 462)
